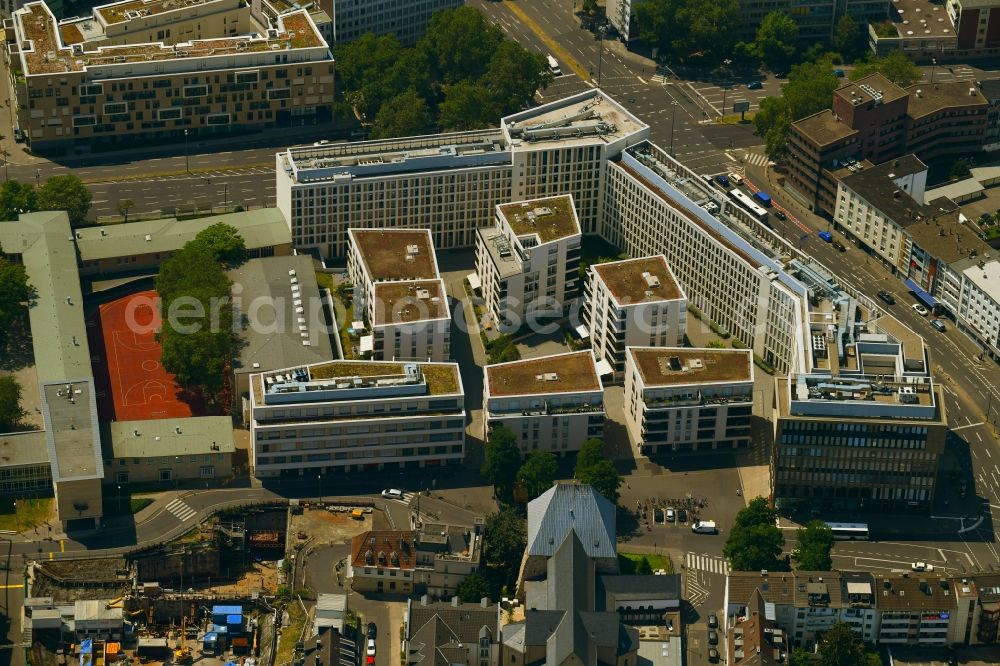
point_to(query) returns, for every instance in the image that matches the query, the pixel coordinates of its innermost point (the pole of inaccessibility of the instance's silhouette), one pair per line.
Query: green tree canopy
(403, 115)
(466, 106)
(895, 66)
(10, 404)
(363, 65)
(505, 536)
(473, 588)
(512, 77)
(755, 542)
(809, 90)
(814, 543)
(683, 28)
(776, 40)
(503, 459)
(538, 472)
(839, 646)
(591, 452)
(225, 243)
(66, 193)
(848, 38)
(460, 44)
(597, 471)
(16, 295)
(17, 198)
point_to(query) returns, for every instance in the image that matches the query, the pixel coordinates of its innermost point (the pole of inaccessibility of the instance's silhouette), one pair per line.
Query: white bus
(554, 66)
(849, 531)
(756, 211)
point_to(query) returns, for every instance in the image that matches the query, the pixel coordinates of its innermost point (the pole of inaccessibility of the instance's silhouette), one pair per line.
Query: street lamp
(933, 68)
(17, 523)
(187, 163)
(600, 58)
(673, 114)
(225, 195)
(38, 177)
(725, 86)
(119, 498)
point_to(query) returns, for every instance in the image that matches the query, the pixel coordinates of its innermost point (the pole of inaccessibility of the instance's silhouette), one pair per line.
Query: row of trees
(809, 89)
(16, 295)
(462, 75)
(756, 542)
(197, 333)
(66, 193)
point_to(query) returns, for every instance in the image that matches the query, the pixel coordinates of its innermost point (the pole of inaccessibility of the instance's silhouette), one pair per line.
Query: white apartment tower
(529, 263)
(553, 403)
(356, 416)
(683, 399)
(634, 302)
(400, 293)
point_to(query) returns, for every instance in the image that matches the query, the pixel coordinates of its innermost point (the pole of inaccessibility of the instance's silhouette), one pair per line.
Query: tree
(403, 115)
(512, 77)
(959, 169)
(503, 459)
(814, 542)
(17, 198)
(10, 404)
(538, 472)
(16, 295)
(755, 542)
(363, 65)
(460, 44)
(66, 193)
(597, 471)
(848, 39)
(683, 28)
(505, 536)
(895, 66)
(123, 207)
(776, 38)
(839, 646)
(473, 588)
(809, 90)
(643, 568)
(225, 243)
(466, 106)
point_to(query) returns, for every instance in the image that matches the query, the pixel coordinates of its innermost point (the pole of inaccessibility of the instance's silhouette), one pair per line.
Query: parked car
(839, 73)
(671, 515)
(713, 621)
(713, 655)
(682, 515)
(887, 297)
(722, 179)
(755, 85)
(657, 515)
(840, 246)
(922, 566)
(826, 236)
(392, 493)
(713, 637)
(780, 215)
(704, 527)
(939, 325)
(371, 647)
(372, 630)
(919, 309)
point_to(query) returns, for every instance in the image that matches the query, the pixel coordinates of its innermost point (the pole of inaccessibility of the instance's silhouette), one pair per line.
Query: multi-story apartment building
(469, 633)
(914, 609)
(957, 30)
(432, 559)
(864, 429)
(633, 302)
(553, 403)
(164, 70)
(354, 416)
(753, 639)
(684, 399)
(528, 265)
(875, 120)
(398, 288)
(406, 19)
(451, 183)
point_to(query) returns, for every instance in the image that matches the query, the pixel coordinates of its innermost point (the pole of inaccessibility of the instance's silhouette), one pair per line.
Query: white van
(704, 527)
(736, 179)
(554, 66)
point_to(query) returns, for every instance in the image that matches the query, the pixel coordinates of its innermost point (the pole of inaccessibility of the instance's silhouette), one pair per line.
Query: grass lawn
(627, 562)
(291, 633)
(30, 512)
(324, 280)
(127, 504)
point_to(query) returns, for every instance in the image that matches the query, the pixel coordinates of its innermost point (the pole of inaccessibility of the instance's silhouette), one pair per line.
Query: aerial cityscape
(500, 333)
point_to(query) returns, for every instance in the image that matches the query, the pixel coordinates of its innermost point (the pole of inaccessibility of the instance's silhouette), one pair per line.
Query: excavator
(182, 655)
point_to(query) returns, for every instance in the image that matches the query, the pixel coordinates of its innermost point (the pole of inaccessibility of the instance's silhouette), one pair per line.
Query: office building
(401, 296)
(633, 302)
(130, 73)
(195, 449)
(875, 120)
(406, 19)
(554, 403)
(451, 632)
(356, 416)
(451, 183)
(528, 264)
(26, 467)
(955, 31)
(43, 243)
(432, 559)
(683, 399)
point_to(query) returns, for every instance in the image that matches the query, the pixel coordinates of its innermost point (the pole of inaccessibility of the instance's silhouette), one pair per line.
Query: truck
(704, 527)
(763, 198)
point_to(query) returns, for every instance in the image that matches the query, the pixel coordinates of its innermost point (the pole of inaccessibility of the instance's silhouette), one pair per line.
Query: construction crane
(182, 655)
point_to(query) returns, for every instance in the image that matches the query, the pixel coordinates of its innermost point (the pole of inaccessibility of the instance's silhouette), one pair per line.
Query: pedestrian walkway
(181, 510)
(757, 160)
(709, 563)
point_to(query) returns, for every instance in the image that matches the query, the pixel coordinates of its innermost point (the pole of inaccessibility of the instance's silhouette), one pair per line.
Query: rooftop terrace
(675, 366)
(560, 373)
(396, 254)
(49, 54)
(441, 378)
(642, 280)
(550, 219)
(121, 12)
(406, 302)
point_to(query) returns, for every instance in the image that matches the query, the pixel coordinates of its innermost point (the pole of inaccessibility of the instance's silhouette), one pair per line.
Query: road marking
(986, 448)
(641, 79)
(971, 425)
(62, 545)
(12, 587)
(707, 563)
(180, 510)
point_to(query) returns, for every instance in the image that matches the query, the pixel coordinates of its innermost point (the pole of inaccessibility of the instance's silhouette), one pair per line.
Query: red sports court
(135, 385)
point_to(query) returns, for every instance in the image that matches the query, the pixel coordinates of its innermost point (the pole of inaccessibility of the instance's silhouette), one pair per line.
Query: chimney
(455, 602)
(484, 602)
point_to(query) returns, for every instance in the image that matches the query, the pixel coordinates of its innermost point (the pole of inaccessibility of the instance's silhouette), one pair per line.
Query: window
(122, 477)
(206, 472)
(166, 475)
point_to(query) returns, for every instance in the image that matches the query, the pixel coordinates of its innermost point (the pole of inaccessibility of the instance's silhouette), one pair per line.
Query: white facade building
(351, 416)
(684, 399)
(406, 19)
(528, 264)
(634, 302)
(398, 289)
(553, 403)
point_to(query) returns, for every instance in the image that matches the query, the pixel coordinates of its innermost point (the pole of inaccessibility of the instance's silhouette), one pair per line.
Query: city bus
(748, 205)
(554, 66)
(849, 531)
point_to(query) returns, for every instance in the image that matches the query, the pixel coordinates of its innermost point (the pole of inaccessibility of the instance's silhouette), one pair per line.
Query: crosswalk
(709, 563)
(181, 510)
(755, 159)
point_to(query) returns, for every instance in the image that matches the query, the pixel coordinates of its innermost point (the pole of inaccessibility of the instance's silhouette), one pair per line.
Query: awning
(367, 343)
(474, 281)
(604, 368)
(926, 298)
(581, 331)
